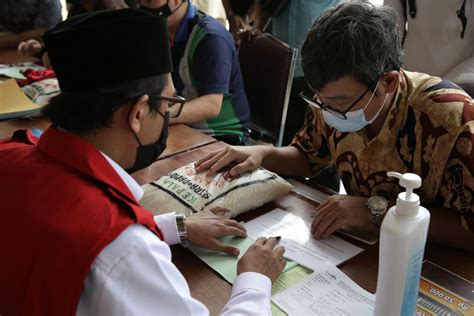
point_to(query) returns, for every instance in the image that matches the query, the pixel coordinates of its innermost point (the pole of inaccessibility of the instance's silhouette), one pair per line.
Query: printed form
(327, 292)
(299, 244)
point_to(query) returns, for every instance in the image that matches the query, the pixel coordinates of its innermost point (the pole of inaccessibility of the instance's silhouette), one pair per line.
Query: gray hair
(355, 39)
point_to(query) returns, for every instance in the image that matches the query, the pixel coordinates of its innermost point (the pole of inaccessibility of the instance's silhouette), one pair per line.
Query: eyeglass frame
(172, 102)
(321, 106)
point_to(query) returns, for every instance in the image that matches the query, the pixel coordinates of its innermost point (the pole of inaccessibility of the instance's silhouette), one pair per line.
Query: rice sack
(185, 191)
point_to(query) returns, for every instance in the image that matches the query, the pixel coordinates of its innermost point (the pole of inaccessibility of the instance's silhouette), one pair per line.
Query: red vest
(61, 203)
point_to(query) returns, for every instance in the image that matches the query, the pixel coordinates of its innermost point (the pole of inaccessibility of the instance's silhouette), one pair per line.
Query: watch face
(377, 204)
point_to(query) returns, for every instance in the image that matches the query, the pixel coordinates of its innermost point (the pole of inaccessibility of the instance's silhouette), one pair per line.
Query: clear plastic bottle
(402, 243)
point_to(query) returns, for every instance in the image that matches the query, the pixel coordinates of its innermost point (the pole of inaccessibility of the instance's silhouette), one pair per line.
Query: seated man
(23, 20)
(73, 237)
(206, 71)
(367, 117)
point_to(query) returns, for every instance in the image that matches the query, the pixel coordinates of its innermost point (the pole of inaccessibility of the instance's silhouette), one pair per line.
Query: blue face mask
(355, 120)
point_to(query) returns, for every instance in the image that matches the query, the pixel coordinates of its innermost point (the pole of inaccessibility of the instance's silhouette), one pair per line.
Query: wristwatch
(182, 232)
(378, 207)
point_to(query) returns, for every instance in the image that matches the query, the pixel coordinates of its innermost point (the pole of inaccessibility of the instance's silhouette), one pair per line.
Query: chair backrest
(267, 66)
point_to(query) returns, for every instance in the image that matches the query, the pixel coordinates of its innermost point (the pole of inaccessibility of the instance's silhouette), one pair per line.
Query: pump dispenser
(402, 243)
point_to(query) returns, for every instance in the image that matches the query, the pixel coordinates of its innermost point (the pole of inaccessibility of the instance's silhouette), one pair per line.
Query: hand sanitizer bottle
(402, 243)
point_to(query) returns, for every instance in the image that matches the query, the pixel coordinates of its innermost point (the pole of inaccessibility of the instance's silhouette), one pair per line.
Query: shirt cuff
(169, 228)
(252, 281)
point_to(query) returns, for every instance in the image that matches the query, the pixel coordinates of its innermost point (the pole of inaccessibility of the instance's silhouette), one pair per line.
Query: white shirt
(433, 44)
(134, 275)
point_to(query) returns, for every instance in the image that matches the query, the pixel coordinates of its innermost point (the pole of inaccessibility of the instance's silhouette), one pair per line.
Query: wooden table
(209, 288)
(11, 56)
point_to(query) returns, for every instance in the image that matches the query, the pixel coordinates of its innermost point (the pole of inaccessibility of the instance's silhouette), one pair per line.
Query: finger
(225, 160)
(281, 264)
(210, 161)
(260, 241)
(279, 251)
(207, 157)
(328, 219)
(229, 249)
(21, 47)
(230, 231)
(242, 167)
(338, 223)
(219, 209)
(271, 243)
(231, 222)
(319, 214)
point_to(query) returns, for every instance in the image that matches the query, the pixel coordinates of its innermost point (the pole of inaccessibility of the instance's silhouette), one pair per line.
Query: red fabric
(33, 75)
(61, 204)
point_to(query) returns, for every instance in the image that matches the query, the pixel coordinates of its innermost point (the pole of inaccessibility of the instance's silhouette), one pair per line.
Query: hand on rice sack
(246, 158)
(187, 191)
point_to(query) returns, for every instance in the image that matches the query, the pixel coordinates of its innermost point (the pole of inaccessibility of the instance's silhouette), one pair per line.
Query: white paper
(328, 292)
(296, 237)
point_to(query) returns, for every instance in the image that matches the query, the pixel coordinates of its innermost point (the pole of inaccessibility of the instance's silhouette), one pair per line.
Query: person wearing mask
(368, 116)
(206, 71)
(75, 238)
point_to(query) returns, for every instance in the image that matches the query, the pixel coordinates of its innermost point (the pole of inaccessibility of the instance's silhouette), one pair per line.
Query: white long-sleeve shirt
(433, 44)
(134, 275)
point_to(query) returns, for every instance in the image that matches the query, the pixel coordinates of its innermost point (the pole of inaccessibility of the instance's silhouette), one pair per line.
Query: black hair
(355, 39)
(85, 111)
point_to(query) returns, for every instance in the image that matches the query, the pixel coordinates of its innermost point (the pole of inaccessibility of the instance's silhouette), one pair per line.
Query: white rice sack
(184, 191)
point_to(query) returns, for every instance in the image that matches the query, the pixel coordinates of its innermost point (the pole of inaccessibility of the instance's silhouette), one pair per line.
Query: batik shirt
(429, 130)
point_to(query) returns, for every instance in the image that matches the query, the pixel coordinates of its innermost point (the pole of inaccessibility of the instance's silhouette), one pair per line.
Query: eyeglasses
(320, 105)
(172, 101)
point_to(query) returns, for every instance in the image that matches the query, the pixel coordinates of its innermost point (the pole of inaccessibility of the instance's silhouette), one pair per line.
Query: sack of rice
(185, 191)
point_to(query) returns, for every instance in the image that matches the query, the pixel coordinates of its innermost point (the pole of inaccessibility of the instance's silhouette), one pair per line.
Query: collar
(131, 184)
(182, 33)
(74, 152)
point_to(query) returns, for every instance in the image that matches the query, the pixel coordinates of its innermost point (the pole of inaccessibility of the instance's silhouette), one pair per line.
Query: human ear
(137, 112)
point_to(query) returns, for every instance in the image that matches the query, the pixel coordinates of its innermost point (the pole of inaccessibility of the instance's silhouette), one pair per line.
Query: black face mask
(163, 11)
(147, 154)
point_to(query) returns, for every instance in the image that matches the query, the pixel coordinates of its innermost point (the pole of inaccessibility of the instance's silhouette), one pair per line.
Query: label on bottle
(412, 282)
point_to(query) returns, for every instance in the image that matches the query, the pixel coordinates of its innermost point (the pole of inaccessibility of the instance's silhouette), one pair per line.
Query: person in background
(83, 6)
(368, 116)
(22, 20)
(438, 38)
(69, 200)
(206, 71)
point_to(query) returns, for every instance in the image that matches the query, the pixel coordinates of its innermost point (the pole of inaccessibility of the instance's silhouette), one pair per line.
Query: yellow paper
(286, 280)
(13, 102)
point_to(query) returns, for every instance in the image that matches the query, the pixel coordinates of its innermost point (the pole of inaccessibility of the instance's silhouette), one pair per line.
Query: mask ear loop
(380, 110)
(372, 96)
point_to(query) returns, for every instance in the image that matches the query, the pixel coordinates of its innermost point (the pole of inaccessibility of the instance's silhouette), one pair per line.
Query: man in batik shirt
(367, 116)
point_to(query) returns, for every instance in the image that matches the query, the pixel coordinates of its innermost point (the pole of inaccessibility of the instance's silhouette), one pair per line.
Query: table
(186, 145)
(209, 288)
(181, 137)
(11, 56)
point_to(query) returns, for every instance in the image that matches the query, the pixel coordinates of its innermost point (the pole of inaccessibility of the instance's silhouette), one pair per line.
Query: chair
(267, 66)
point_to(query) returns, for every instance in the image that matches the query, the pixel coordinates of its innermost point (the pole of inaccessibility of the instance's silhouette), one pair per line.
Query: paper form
(285, 281)
(299, 244)
(224, 264)
(327, 292)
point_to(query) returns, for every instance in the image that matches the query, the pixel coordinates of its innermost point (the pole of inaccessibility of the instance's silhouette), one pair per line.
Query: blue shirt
(214, 69)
